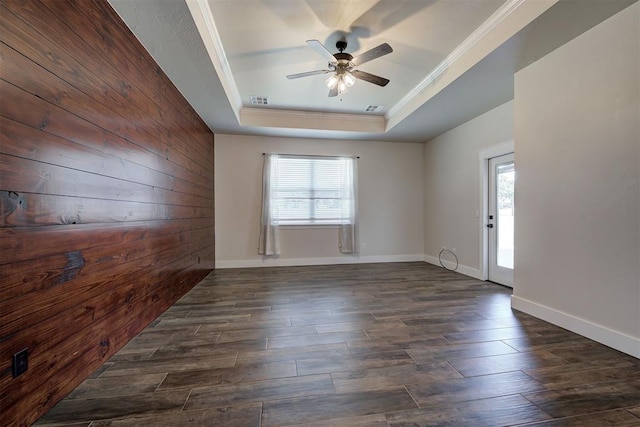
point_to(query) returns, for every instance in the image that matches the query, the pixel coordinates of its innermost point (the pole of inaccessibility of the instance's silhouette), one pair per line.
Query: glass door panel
(505, 177)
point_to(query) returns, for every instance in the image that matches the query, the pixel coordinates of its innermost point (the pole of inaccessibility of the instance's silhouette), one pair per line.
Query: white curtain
(348, 234)
(269, 243)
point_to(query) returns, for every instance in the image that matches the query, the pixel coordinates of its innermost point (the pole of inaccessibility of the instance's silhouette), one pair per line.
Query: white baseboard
(462, 269)
(288, 262)
(614, 339)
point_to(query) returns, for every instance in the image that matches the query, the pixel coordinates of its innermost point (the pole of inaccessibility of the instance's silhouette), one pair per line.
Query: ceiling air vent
(259, 100)
(372, 108)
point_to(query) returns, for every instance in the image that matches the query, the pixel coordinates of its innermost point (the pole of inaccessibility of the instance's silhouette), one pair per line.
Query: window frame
(309, 221)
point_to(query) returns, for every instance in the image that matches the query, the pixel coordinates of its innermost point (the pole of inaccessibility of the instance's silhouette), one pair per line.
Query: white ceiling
(451, 59)
(265, 42)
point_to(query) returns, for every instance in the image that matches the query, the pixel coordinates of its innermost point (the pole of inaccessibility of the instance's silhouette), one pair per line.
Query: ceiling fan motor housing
(343, 60)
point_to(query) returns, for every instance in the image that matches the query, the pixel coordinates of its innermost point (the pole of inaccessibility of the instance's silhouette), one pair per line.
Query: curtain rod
(309, 155)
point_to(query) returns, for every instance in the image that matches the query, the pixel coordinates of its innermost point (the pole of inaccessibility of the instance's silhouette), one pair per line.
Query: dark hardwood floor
(405, 344)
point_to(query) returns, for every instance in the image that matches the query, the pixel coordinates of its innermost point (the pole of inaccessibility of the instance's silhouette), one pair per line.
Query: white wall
(452, 187)
(391, 202)
(577, 148)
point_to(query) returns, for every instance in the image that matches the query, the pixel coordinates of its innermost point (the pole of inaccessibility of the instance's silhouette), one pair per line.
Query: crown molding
(505, 22)
(203, 18)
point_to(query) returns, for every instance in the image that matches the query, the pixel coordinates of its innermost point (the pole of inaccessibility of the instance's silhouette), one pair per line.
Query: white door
(501, 219)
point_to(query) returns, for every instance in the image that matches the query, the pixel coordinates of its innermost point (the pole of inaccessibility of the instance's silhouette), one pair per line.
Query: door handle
(489, 225)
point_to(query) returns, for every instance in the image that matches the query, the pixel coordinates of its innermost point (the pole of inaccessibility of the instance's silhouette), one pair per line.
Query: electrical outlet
(20, 362)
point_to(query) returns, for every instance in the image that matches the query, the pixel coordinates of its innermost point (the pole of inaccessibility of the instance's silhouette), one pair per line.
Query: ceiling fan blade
(371, 78)
(371, 54)
(333, 92)
(322, 50)
(308, 73)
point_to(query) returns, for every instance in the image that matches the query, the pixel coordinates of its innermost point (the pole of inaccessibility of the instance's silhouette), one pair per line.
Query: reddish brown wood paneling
(106, 196)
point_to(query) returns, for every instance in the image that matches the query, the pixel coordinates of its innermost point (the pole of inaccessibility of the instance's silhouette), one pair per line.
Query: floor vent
(259, 100)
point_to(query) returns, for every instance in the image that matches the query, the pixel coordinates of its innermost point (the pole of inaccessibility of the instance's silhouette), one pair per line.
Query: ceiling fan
(343, 66)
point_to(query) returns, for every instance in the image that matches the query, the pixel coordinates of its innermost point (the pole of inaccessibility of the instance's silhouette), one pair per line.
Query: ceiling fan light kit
(342, 79)
(343, 65)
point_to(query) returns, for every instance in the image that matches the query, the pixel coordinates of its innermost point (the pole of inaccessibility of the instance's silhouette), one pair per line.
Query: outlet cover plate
(20, 362)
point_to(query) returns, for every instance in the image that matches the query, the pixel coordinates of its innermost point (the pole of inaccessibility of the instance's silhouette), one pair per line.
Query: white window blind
(311, 190)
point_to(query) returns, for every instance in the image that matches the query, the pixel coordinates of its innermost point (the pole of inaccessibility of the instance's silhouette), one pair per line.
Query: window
(309, 190)
(312, 190)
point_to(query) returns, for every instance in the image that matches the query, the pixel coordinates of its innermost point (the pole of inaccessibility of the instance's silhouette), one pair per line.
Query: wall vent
(259, 100)
(372, 108)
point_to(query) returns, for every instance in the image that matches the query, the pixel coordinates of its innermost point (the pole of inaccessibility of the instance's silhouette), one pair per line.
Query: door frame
(484, 155)
(497, 273)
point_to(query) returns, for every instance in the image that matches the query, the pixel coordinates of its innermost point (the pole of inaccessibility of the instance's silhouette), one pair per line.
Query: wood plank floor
(403, 344)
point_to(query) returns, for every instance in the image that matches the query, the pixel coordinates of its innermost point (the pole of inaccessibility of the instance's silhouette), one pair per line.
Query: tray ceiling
(451, 60)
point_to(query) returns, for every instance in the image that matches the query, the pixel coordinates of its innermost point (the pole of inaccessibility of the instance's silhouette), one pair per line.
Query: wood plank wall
(106, 196)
